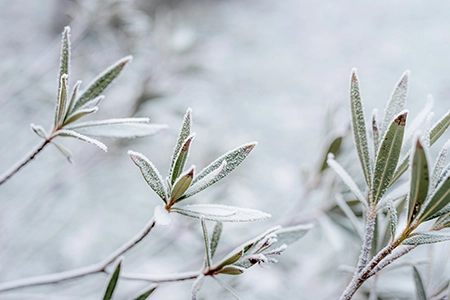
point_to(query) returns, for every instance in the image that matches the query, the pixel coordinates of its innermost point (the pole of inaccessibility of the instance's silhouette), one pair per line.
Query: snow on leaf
(61, 102)
(39, 130)
(79, 114)
(181, 185)
(64, 64)
(233, 158)
(205, 182)
(71, 133)
(439, 128)
(182, 156)
(208, 256)
(289, 235)
(150, 173)
(196, 286)
(439, 164)
(375, 131)
(162, 216)
(418, 121)
(437, 201)
(359, 127)
(393, 219)
(185, 131)
(221, 213)
(425, 238)
(215, 238)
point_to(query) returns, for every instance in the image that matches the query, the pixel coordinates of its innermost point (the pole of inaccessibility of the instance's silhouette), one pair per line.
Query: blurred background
(272, 71)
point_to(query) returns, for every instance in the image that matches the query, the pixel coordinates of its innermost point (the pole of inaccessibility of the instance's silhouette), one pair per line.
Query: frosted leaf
(350, 214)
(289, 235)
(228, 288)
(197, 285)
(185, 131)
(418, 121)
(118, 128)
(439, 128)
(181, 159)
(425, 238)
(145, 293)
(150, 173)
(233, 158)
(113, 279)
(100, 83)
(419, 181)
(205, 182)
(71, 133)
(334, 145)
(346, 178)
(401, 168)
(39, 130)
(393, 219)
(162, 216)
(66, 152)
(181, 185)
(216, 237)
(64, 64)
(437, 201)
(231, 258)
(426, 136)
(420, 289)
(397, 101)
(221, 213)
(92, 103)
(73, 97)
(61, 102)
(208, 256)
(388, 156)
(375, 131)
(439, 164)
(80, 113)
(359, 128)
(443, 221)
(231, 270)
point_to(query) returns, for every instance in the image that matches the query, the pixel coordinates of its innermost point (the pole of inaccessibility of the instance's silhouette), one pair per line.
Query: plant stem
(80, 272)
(365, 251)
(21, 163)
(161, 278)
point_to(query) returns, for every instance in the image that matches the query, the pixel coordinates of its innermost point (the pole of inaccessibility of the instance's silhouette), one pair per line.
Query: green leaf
(205, 182)
(420, 289)
(216, 237)
(359, 128)
(438, 200)
(197, 285)
(396, 103)
(39, 130)
(64, 64)
(182, 184)
(375, 131)
(439, 164)
(74, 134)
(439, 128)
(346, 178)
(442, 222)
(113, 281)
(208, 256)
(231, 270)
(185, 131)
(419, 181)
(231, 258)
(387, 158)
(401, 168)
(425, 238)
(100, 83)
(233, 158)
(393, 219)
(61, 102)
(118, 128)
(72, 100)
(143, 295)
(79, 114)
(182, 156)
(289, 235)
(333, 148)
(150, 173)
(221, 213)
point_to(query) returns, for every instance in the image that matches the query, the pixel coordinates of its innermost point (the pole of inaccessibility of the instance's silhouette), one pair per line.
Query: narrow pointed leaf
(419, 181)
(216, 237)
(208, 256)
(61, 102)
(231, 270)
(418, 121)
(393, 219)
(118, 128)
(74, 134)
(420, 289)
(401, 168)
(143, 295)
(231, 258)
(333, 148)
(388, 155)
(182, 156)
(65, 151)
(113, 281)
(439, 164)
(205, 182)
(346, 178)
(439, 128)
(182, 184)
(228, 288)
(64, 64)
(233, 158)
(396, 102)
(39, 130)
(289, 235)
(196, 286)
(73, 98)
(375, 131)
(221, 213)
(79, 114)
(359, 128)
(442, 222)
(438, 200)
(424, 238)
(162, 216)
(185, 131)
(100, 83)
(150, 173)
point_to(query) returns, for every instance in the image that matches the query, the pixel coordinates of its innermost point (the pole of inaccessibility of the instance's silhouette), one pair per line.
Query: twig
(365, 251)
(21, 163)
(161, 278)
(80, 272)
(390, 259)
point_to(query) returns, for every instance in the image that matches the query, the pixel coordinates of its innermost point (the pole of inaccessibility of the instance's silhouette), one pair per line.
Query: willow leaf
(420, 289)
(442, 222)
(418, 121)
(196, 286)
(439, 164)
(205, 182)
(208, 256)
(64, 63)
(100, 83)
(388, 155)
(289, 235)
(215, 238)
(233, 158)
(182, 184)
(66, 152)
(438, 200)
(39, 130)
(221, 213)
(425, 238)
(359, 128)
(144, 294)
(231, 258)
(231, 270)
(375, 131)
(113, 281)
(61, 102)
(182, 156)
(150, 173)
(419, 181)
(346, 178)
(71, 133)
(185, 131)
(333, 148)
(396, 103)
(79, 114)
(393, 219)
(439, 128)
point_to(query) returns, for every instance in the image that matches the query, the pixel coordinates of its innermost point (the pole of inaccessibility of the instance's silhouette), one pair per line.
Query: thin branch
(21, 163)
(365, 251)
(390, 259)
(80, 272)
(161, 278)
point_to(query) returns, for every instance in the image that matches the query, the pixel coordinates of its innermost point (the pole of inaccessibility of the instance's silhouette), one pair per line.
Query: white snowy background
(250, 70)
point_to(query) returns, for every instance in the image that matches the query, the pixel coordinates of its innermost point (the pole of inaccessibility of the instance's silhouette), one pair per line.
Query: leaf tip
(401, 119)
(354, 77)
(249, 147)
